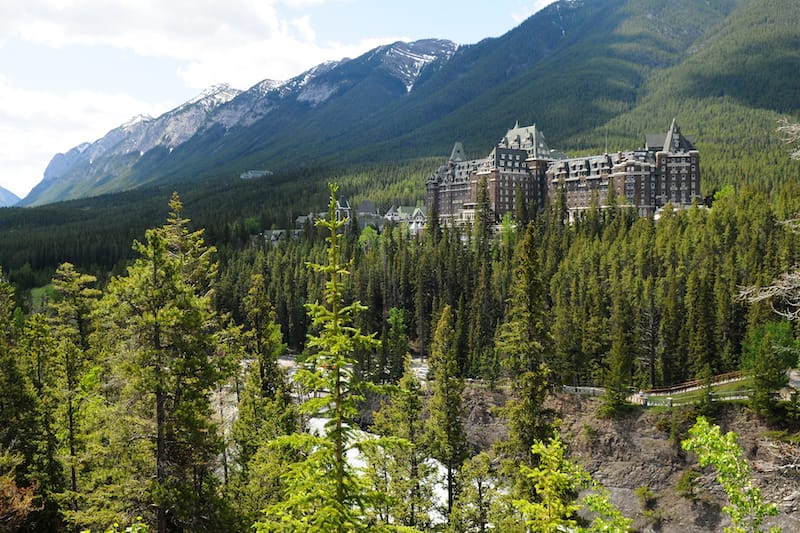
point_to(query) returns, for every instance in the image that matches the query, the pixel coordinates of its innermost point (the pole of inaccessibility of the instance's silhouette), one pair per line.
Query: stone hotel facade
(666, 170)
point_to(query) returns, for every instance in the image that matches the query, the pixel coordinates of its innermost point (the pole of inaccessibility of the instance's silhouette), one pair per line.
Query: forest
(113, 393)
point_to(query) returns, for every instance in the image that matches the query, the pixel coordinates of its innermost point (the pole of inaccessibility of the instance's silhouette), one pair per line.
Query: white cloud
(35, 125)
(240, 42)
(249, 64)
(303, 27)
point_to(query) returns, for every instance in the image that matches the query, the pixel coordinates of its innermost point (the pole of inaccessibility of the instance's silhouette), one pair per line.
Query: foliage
(322, 491)
(746, 508)
(445, 426)
(159, 323)
(408, 470)
(558, 481)
(16, 503)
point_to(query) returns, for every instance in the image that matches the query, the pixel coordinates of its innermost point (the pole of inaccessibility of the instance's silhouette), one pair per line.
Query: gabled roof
(367, 207)
(458, 153)
(673, 142)
(526, 138)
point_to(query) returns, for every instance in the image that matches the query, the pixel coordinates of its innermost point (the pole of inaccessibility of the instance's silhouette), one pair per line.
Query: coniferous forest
(163, 398)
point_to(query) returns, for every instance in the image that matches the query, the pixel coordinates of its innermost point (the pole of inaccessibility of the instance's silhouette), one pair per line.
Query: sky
(71, 70)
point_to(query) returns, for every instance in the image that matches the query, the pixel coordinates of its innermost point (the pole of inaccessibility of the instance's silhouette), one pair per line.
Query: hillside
(588, 73)
(641, 450)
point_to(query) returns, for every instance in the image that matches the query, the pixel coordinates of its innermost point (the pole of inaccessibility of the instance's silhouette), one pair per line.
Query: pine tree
(769, 375)
(523, 343)
(71, 320)
(410, 474)
(480, 327)
(160, 319)
(521, 211)
(623, 352)
(445, 426)
(700, 319)
(480, 505)
(322, 491)
(22, 437)
(265, 406)
(395, 346)
(37, 347)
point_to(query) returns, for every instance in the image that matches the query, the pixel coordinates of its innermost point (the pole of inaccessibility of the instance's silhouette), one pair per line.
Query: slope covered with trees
(107, 404)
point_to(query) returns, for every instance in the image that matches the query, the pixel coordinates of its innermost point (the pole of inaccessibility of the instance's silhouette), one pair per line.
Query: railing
(665, 396)
(584, 391)
(669, 401)
(697, 384)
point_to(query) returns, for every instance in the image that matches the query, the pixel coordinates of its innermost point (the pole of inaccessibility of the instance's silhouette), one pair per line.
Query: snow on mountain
(213, 97)
(263, 87)
(139, 135)
(135, 121)
(221, 105)
(406, 61)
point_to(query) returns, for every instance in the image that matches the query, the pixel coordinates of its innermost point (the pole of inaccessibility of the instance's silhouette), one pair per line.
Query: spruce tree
(161, 325)
(445, 426)
(410, 474)
(523, 343)
(623, 352)
(323, 492)
(265, 406)
(70, 319)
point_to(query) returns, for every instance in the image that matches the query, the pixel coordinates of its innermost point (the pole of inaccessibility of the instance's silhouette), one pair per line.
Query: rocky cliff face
(104, 165)
(640, 453)
(85, 168)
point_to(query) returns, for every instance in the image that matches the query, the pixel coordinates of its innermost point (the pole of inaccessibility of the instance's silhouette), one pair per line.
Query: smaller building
(253, 174)
(414, 217)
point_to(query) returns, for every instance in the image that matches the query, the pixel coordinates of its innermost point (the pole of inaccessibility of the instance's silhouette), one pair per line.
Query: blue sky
(71, 70)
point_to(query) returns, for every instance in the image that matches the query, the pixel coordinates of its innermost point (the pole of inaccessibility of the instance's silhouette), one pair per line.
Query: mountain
(102, 166)
(588, 73)
(114, 162)
(7, 198)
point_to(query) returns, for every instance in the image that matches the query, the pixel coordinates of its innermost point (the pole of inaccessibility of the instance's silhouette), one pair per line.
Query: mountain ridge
(8, 198)
(580, 70)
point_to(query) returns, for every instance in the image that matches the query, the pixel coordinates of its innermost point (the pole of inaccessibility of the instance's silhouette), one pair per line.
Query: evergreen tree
(37, 347)
(521, 211)
(410, 474)
(769, 375)
(265, 410)
(448, 441)
(484, 218)
(160, 320)
(623, 352)
(478, 497)
(523, 343)
(75, 299)
(23, 439)
(480, 327)
(395, 347)
(323, 492)
(700, 320)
